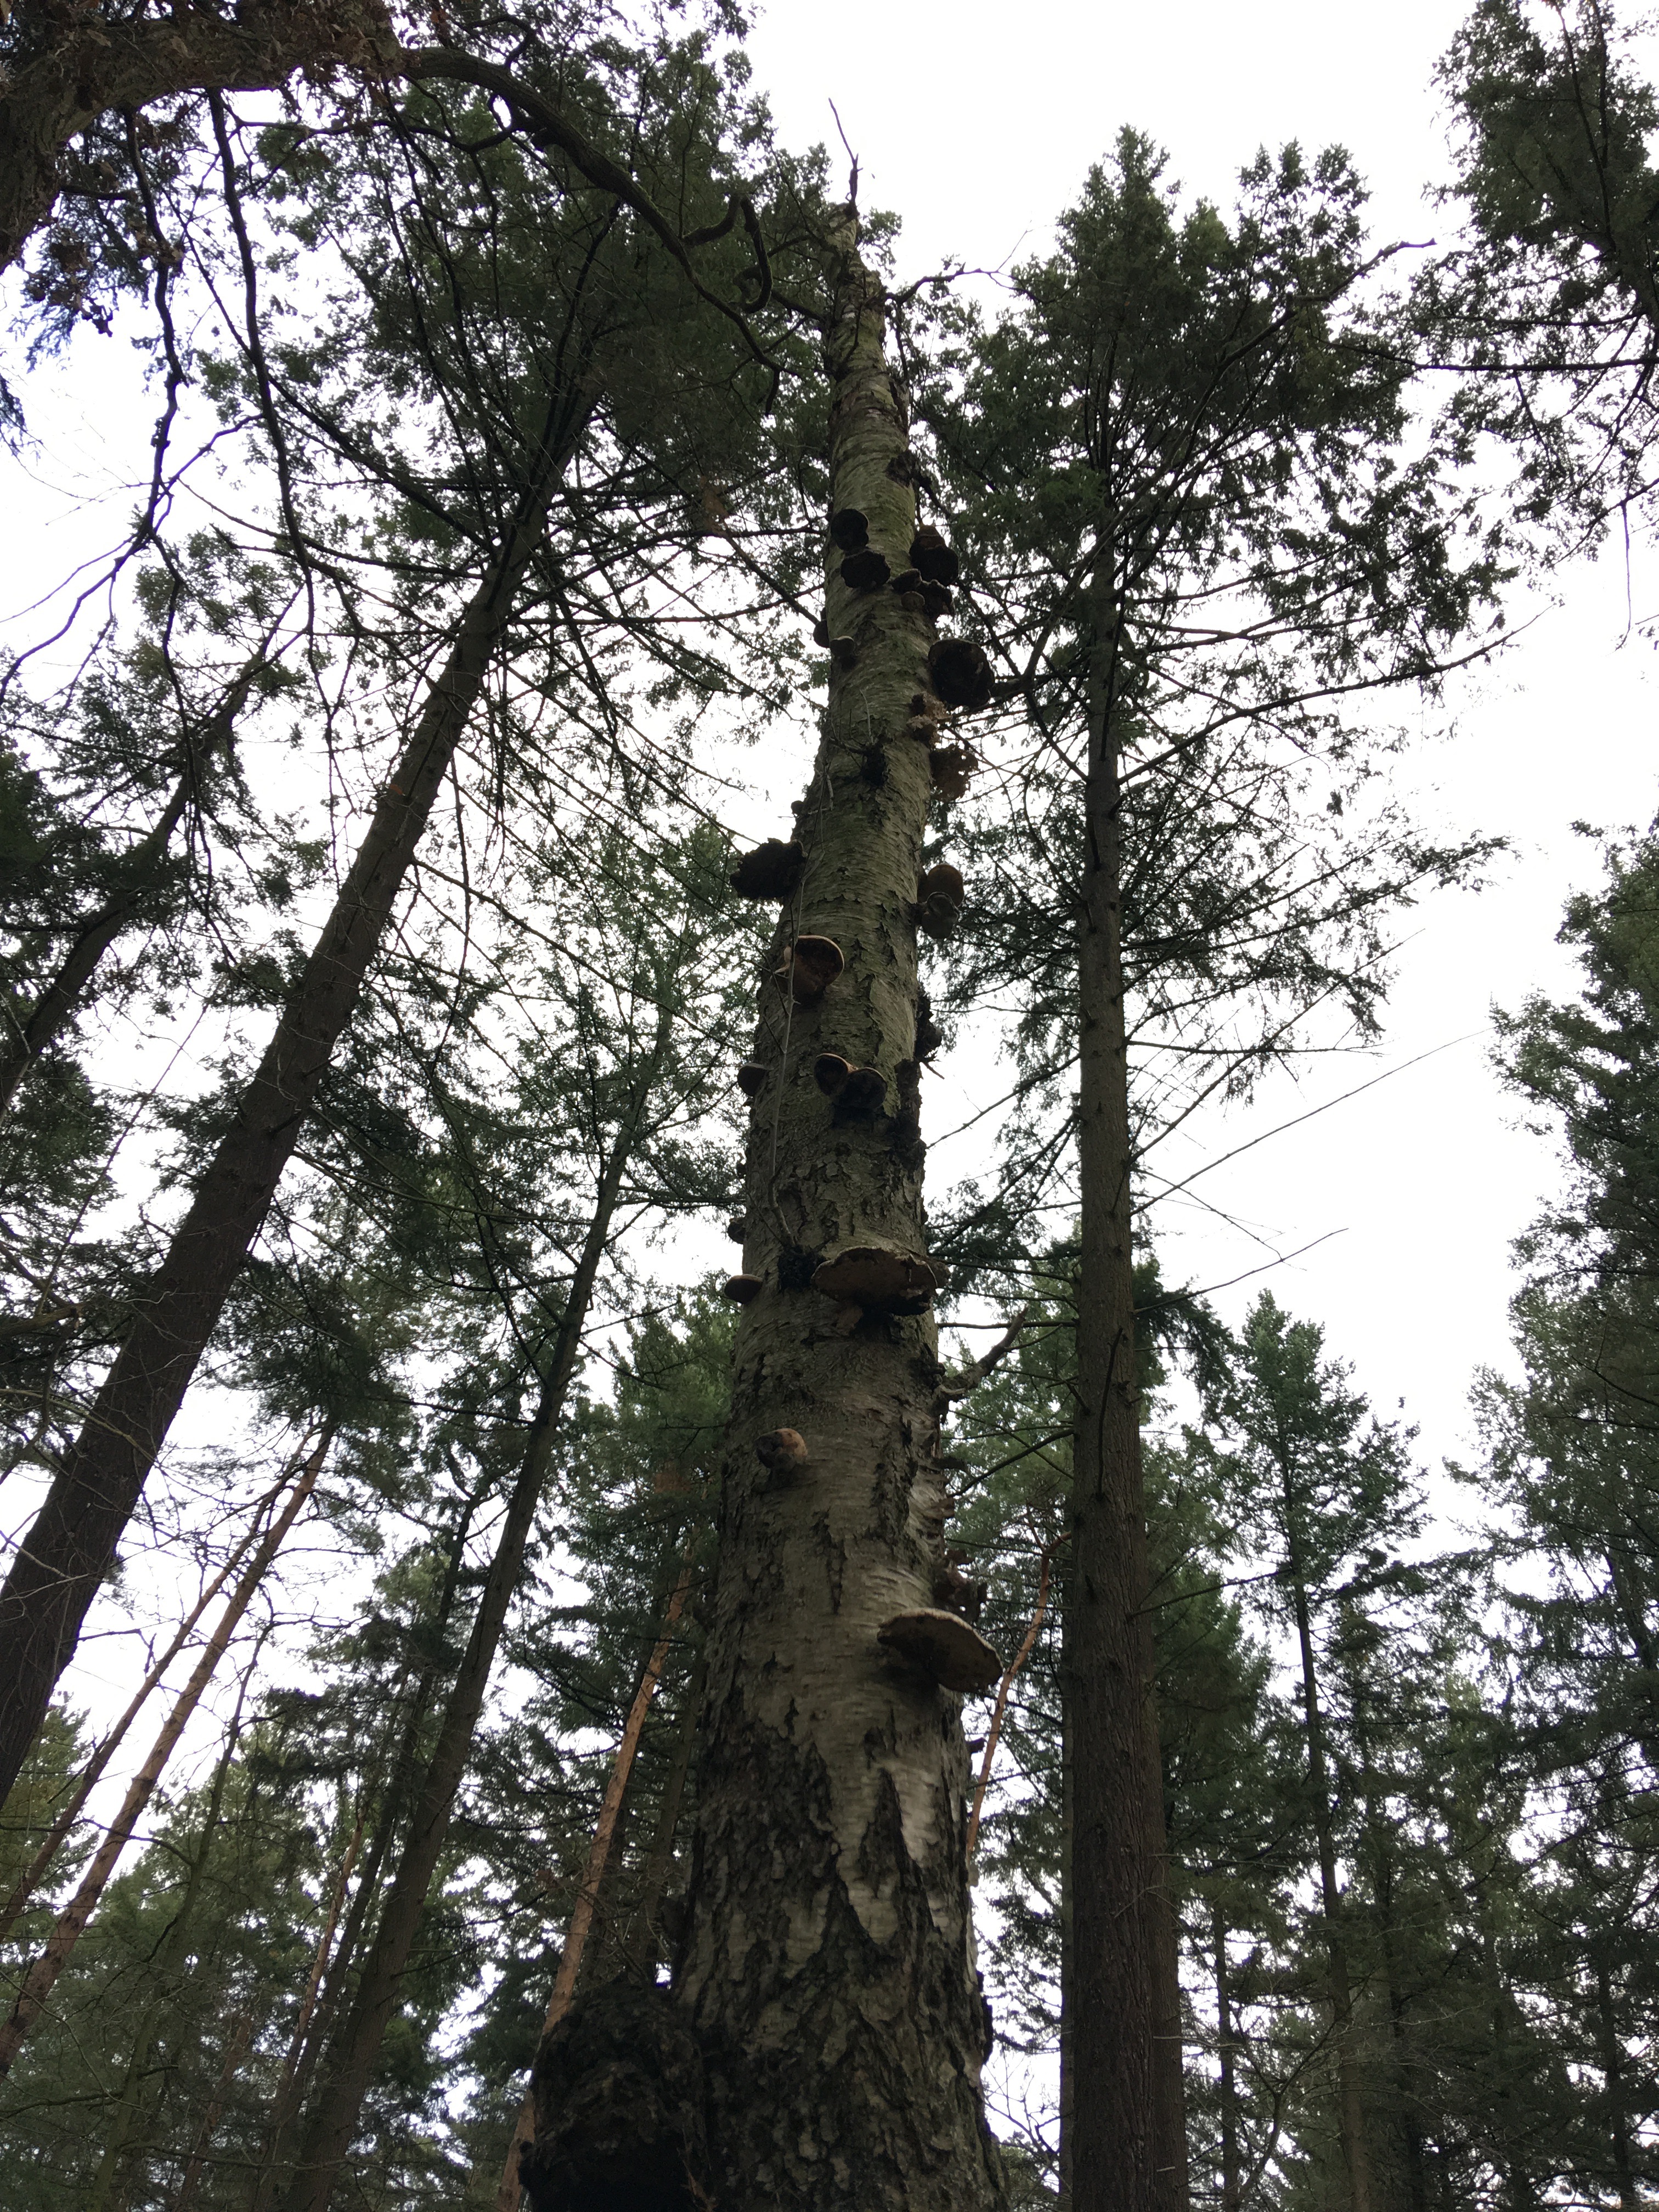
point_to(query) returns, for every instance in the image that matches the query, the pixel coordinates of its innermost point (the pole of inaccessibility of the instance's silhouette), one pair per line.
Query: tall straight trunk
(39, 1981)
(1613, 2070)
(1122, 2097)
(72, 1542)
(331, 2128)
(1351, 2117)
(828, 1971)
(1378, 1835)
(1231, 2172)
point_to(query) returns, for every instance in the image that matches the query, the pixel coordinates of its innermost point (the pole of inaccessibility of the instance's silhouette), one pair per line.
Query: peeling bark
(828, 1962)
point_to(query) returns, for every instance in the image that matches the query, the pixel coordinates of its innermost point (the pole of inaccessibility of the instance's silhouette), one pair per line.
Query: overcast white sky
(977, 124)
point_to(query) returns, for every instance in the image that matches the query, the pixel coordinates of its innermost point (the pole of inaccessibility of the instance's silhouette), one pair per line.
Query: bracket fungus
(781, 1452)
(939, 897)
(935, 559)
(850, 529)
(953, 767)
(844, 652)
(864, 1093)
(961, 673)
(944, 1646)
(751, 1078)
(742, 1289)
(877, 1277)
(738, 1229)
(772, 871)
(830, 1071)
(809, 967)
(865, 570)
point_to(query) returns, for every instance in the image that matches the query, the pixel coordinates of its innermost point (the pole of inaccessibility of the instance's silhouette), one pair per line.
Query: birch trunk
(827, 1965)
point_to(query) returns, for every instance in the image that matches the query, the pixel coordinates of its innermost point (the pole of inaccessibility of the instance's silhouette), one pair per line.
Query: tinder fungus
(939, 897)
(742, 1289)
(942, 1644)
(952, 767)
(877, 1277)
(930, 553)
(782, 1450)
(738, 1227)
(772, 871)
(864, 1092)
(830, 1071)
(810, 967)
(751, 1078)
(865, 570)
(961, 673)
(935, 600)
(849, 529)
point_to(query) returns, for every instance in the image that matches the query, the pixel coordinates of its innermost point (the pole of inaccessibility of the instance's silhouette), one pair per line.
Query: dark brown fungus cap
(810, 967)
(961, 673)
(907, 580)
(772, 871)
(865, 571)
(820, 632)
(751, 1078)
(942, 881)
(930, 553)
(844, 652)
(738, 1228)
(740, 1289)
(952, 767)
(875, 1277)
(865, 1091)
(944, 1646)
(830, 1071)
(781, 1450)
(850, 529)
(935, 601)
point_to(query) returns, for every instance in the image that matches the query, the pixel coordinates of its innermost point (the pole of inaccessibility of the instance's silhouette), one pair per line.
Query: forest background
(975, 141)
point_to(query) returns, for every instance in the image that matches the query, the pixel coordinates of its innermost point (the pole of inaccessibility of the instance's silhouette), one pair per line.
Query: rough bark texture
(1121, 2100)
(828, 1965)
(71, 1544)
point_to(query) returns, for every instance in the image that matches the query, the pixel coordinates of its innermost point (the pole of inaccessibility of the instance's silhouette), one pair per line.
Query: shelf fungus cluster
(942, 1645)
(875, 1279)
(860, 1093)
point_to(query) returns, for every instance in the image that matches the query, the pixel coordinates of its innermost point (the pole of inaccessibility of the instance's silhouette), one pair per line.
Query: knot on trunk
(619, 2095)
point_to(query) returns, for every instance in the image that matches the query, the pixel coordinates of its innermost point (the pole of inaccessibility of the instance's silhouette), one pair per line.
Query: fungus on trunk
(942, 1645)
(809, 967)
(772, 871)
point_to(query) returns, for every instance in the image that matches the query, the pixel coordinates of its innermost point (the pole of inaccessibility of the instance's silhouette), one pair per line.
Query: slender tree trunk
(1614, 2068)
(508, 2191)
(329, 2132)
(993, 1735)
(168, 1963)
(30, 1879)
(291, 2094)
(1231, 2172)
(236, 2051)
(828, 1967)
(38, 1982)
(1382, 1884)
(1349, 2110)
(1123, 2099)
(643, 1947)
(68, 1550)
(61, 998)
